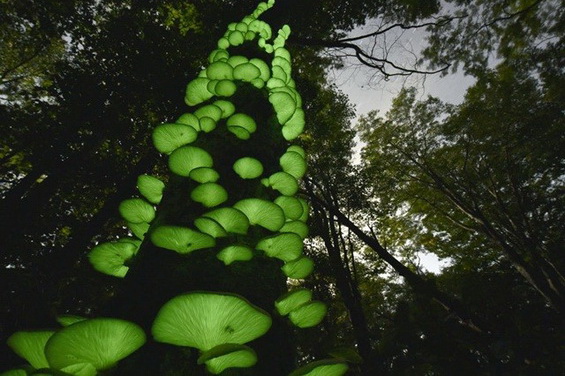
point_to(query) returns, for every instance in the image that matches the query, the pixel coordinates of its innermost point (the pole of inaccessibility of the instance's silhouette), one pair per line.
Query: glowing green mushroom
(183, 160)
(284, 105)
(242, 120)
(137, 210)
(218, 55)
(291, 206)
(207, 124)
(300, 268)
(168, 137)
(240, 132)
(226, 356)
(151, 188)
(80, 369)
(295, 125)
(278, 72)
(282, 52)
(209, 194)
(297, 227)
(30, 345)
(304, 216)
(101, 342)
(246, 72)
(248, 168)
(297, 149)
(232, 220)
(262, 213)
(225, 88)
(220, 70)
(204, 175)
(197, 91)
(204, 320)
(181, 239)
(190, 120)
(234, 61)
(110, 258)
(283, 182)
(329, 367)
(210, 227)
(286, 246)
(138, 229)
(265, 71)
(236, 38)
(293, 163)
(292, 300)
(235, 253)
(212, 111)
(227, 108)
(308, 315)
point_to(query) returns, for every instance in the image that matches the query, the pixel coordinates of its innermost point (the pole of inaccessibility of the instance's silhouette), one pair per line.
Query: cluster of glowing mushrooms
(217, 324)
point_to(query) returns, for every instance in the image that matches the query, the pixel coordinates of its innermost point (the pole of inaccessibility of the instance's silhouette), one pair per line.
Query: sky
(368, 91)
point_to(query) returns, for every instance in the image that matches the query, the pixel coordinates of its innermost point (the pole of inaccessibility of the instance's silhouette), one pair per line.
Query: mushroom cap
(151, 188)
(80, 369)
(262, 213)
(185, 159)
(109, 258)
(235, 253)
(138, 229)
(30, 346)
(294, 126)
(228, 355)
(248, 168)
(170, 136)
(204, 175)
(308, 315)
(286, 246)
(137, 210)
(207, 319)
(297, 227)
(327, 367)
(291, 206)
(101, 342)
(298, 268)
(209, 194)
(283, 182)
(293, 163)
(292, 300)
(197, 91)
(242, 120)
(181, 239)
(232, 220)
(210, 227)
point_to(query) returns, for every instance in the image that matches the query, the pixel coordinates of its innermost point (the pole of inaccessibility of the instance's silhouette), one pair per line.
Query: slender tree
(205, 277)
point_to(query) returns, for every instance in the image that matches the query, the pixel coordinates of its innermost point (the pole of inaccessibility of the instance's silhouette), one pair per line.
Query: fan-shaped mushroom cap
(197, 91)
(80, 369)
(265, 71)
(246, 72)
(297, 227)
(283, 103)
(205, 319)
(225, 88)
(138, 229)
(292, 300)
(151, 188)
(218, 55)
(232, 220)
(185, 159)
(209, 194)
(328, 367)
(220, 70)
(291, 206)
(236, 60)
(293, 164)
(294, 126)
(283, 182)
(110, 258)
(228, 355)
(210, 227)
(181, 239)
(227, 108)
(170, 136)
(204, 175)
(242, 120)
(101, 342)
(235, 253)
(286, 246)
(262, 212)
(137, 210)
(248, 168)
(190, 120)
(299, 268)
(308, 314)
(207, 124)
(30, 345)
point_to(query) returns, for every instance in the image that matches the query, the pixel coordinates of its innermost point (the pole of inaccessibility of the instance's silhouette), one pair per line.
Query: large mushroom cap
(207, 319)
(101, 342)
(29, 345)
(308, 315)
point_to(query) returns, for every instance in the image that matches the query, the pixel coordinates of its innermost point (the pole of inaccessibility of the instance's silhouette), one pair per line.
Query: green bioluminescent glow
(242, 206)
